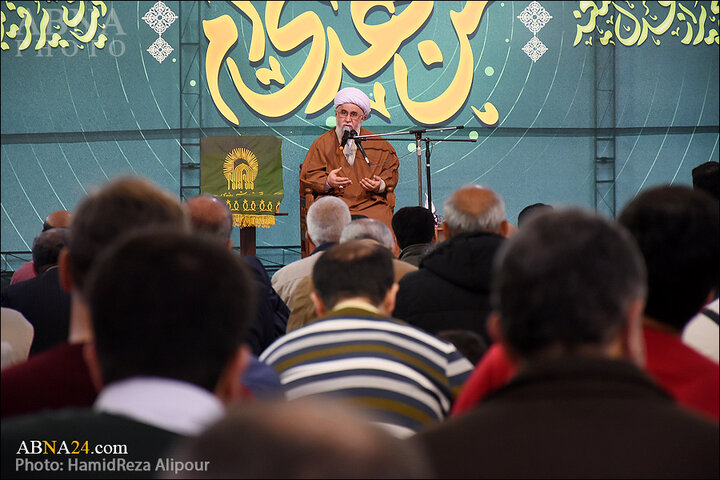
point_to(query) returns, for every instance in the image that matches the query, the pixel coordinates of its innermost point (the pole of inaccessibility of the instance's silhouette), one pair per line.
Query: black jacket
(271, 313)
(575, 417)
(451, 289)
(45, 304)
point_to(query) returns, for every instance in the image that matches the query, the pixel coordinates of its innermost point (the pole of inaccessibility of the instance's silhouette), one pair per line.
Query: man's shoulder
(293, 270)
(80, 421)
(59, 357)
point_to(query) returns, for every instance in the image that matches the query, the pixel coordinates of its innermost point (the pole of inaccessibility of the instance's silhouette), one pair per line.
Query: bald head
(57, 219)
(474, 208)
(211, 215)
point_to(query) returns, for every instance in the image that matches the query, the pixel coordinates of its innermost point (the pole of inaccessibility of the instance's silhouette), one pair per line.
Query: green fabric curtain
(245, 171)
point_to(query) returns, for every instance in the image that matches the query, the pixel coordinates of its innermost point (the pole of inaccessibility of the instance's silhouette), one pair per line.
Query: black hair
(168, 304)
(676, 228)
(353, 269)
(413, 225)
(566, 280)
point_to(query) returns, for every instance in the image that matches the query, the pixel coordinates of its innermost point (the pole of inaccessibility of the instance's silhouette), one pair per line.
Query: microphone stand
(418, 138)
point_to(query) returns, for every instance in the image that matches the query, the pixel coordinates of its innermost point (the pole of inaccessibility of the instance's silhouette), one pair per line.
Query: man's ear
(446, 232)
(507, 229)
(388, 304)
(230, 387)
(91, 360)
(64, 270)
(633, 341)
(494, 329)
(320, 307)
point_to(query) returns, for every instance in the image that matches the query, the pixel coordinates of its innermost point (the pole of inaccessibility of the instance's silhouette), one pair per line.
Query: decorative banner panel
(246, 172)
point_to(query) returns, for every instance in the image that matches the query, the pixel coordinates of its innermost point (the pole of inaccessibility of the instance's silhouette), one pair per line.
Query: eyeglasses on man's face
(344, 113)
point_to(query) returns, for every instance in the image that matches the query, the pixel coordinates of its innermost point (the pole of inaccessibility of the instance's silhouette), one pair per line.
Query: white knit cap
(355, 96)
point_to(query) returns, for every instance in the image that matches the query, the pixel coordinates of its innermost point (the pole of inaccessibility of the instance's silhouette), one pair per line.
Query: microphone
(360, 147)
(346, 135)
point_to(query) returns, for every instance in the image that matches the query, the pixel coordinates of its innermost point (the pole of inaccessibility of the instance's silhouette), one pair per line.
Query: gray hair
(484, 218)
(368, 228)
(326, 218)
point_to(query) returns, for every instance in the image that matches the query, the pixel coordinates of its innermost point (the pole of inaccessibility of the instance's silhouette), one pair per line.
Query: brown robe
(325, 155)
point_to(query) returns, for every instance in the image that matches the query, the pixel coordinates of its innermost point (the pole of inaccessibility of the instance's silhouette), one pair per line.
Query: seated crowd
(569, 346)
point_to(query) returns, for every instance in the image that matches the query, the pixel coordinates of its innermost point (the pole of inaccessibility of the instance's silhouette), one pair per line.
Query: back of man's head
(413, 225)
(368, 228)
(118, 207)
(677, 231)
(530, 211)
(57, 219)
(211, 215)
(46, 248)
(706, 176)
(565, 282)
(474, 208)
(326, 218)
(357, 268)
(168, 304)
(300, 439)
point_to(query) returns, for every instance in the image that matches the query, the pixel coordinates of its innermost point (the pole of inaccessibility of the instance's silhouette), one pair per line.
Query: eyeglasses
(345, 113)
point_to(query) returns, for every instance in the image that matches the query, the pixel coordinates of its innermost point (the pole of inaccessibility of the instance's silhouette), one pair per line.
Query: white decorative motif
(160, 17)
(160, 49)
(534, 17)
(534, 49)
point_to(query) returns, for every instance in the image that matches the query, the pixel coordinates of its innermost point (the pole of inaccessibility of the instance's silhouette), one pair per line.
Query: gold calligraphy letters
(319, 81)
(70, 22)
(634, 28)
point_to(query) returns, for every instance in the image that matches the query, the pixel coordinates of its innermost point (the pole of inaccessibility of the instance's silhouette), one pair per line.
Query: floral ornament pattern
(160, 49)
(160, 18)
(534, 17)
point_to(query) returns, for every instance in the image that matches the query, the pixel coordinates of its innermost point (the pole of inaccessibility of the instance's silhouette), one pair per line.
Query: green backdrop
(100, 103)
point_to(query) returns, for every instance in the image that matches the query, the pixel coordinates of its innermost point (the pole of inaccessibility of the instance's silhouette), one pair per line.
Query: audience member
(451, 289)
(57, 219)
(303, 311)
(168, 357)
(414, 229)
(702, 332)
(493, 371)
(469, 343)
(530, 211)
(59, 377)
(210, 215)
(706, 177)
(17, 336)
(326, 218)
(568, 294)
(677, 230)
(404, 377)
(41, 299)
(300, 439)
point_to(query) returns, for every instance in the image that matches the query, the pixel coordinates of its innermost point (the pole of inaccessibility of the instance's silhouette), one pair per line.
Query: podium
(248, 237)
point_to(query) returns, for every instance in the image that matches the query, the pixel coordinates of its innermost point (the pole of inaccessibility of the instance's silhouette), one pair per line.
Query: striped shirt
(403, 377)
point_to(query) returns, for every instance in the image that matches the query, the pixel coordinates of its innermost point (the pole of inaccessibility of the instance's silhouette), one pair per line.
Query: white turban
(355, 96)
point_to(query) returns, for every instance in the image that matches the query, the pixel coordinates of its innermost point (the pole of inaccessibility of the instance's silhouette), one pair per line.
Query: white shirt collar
(173, 405)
